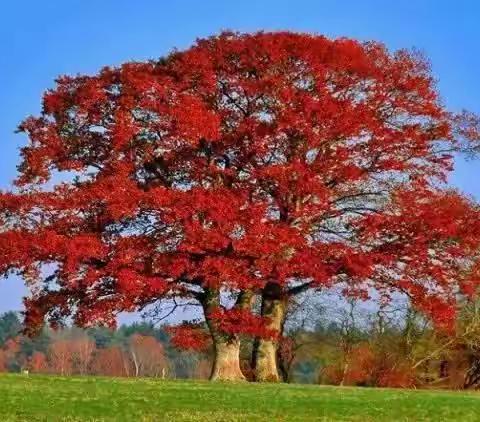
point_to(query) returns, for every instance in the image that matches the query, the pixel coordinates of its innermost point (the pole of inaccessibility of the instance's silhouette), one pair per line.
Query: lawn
(44, 398)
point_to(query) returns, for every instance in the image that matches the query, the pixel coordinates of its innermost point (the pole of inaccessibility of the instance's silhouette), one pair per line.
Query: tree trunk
(226, 364)
(135, 363)
(344, 374)
(265, 350)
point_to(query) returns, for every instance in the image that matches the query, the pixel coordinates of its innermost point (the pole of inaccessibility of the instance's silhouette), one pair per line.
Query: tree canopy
(251, 164)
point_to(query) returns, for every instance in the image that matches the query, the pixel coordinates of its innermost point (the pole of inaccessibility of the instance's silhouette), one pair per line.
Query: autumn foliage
(245, 160)
(189, 337)
(372, 367)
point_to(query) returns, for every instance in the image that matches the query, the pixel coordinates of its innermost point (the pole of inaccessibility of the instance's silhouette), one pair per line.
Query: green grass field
(42, 398)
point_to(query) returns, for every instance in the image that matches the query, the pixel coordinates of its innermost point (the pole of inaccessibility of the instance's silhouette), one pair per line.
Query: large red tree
(250, 165)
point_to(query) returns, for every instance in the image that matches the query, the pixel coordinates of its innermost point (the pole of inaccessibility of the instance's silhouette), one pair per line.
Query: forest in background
(324, 341)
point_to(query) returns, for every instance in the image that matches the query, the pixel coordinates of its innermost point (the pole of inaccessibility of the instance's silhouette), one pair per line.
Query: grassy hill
(32, 398)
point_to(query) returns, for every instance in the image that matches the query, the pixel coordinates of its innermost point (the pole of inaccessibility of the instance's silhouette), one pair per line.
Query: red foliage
(400, 376)
(244, 159)
(111, 362)
(189, 337)
(367, 366)
(241, 321)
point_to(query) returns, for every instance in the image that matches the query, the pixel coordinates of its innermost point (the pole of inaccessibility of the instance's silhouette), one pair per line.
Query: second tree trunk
(265, 350)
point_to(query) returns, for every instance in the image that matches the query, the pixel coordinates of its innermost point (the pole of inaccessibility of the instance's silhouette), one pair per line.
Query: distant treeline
(323, 342)
(138, 349)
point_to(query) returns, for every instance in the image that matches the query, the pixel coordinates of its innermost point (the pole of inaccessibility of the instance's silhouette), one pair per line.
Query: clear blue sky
(42, 39)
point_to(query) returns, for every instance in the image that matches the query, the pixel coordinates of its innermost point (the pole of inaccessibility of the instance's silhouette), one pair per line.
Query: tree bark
(265, 350)
(135, 362)
(226, 364)
(344, 373)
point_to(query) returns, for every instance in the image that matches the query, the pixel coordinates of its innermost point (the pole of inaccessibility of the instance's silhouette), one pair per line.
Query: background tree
(38, 363)
(147, 356)
(111, 361)
(82, 349)
(60, 360)
(10, 326)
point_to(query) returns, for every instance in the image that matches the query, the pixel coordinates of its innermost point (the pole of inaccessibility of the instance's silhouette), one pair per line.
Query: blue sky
(40, 40)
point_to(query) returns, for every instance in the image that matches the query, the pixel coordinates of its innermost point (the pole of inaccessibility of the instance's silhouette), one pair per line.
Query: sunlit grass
(44, 398)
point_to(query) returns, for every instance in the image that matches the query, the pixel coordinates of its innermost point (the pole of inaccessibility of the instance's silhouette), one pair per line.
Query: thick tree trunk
(265, 350)
(266, 369)
(226, 364)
